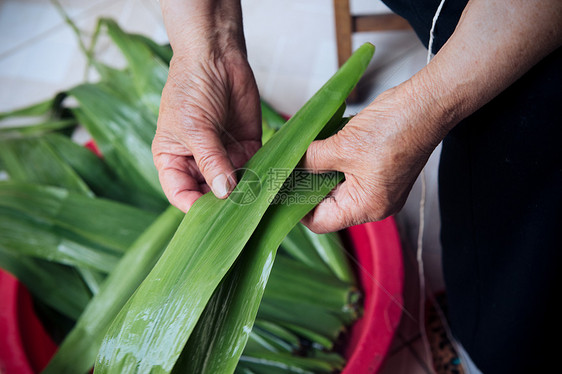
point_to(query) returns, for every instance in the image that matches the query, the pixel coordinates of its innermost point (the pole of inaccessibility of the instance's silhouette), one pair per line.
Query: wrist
(203, 27)
(439, 103)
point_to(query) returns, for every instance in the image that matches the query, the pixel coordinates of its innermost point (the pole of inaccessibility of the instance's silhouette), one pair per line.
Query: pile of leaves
(83, 230)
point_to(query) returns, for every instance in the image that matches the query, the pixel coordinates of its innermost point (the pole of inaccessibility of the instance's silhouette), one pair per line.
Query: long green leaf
(33, 110)
(222, 332)
(220, 336)
(293, 281)
(34, 160)
(58, 286)
(149, 333)
(278, 331)
(330, 248)
(103, 222)
(78, 351)
(36, 128)
(149, 74)
(298, 246)
(123, 134)
(94, 171)
(92, 278)
(22, 235)
(273, 363)
(316, 319)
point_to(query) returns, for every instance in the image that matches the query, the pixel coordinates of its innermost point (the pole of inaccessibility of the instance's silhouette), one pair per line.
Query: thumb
(213, 162)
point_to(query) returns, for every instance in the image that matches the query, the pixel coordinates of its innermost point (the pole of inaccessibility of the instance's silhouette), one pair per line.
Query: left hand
(381, 151)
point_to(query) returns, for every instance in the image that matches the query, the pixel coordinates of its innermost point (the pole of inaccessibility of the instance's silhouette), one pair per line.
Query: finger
(322, 156)
(181, 189)
(213, 162)
(241, 152)
(326, 216)
(339, 210)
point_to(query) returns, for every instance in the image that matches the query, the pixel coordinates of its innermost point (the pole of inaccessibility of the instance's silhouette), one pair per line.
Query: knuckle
(207, 160)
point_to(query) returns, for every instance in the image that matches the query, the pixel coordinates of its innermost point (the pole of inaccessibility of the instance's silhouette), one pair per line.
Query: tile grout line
(37, 38)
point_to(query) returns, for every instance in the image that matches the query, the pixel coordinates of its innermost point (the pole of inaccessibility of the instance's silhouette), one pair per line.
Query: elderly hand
(381, 151)
(209, 121)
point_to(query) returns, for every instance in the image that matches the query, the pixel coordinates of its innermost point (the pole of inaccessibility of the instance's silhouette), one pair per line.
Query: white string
(432, 31)
(419, 251)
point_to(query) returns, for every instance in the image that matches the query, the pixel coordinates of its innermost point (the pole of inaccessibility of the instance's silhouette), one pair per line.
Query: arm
(383, 149)
(209, 121)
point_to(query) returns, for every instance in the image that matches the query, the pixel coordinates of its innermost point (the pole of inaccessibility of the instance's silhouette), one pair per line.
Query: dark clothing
(419, 14)
(500, 192)
(500, 189)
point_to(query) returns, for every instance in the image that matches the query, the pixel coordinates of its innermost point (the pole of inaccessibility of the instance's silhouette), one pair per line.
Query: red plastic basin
(381, 275)
(25, 347)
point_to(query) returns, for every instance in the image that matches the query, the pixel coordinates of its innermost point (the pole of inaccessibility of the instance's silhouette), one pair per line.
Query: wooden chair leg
(347, 24)
(343, 30)
(343, 36)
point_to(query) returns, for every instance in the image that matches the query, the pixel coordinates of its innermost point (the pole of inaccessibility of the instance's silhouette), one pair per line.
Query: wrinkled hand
(381, 151)
(209, 124)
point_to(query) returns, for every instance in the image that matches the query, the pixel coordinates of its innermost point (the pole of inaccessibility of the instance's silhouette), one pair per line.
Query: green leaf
(271, 121)
(78, 351)
(123, 134)
(272, 363)
(262, 341)
(58, 286)
(103, 222)
(293, 281)
(33, 110)
(34, 160)
(48, 126)
(313, 318)
(149, 73)
(298, 246)
(95, 172)
(221, 334)
(21, 234)
(149, 333)
(332, 251)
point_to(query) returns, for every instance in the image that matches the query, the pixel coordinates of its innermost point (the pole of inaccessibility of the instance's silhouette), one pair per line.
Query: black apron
(500, 194)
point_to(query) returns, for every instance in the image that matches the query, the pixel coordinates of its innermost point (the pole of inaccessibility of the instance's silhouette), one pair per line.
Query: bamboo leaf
(48, 126)
(318, 340)
(332, 251)
(149, 73)
(103, 222)
(278, 331)
(298, 246)
(149, 333)
(58, 286)
(33, 160)
(22, 235)
(292, 281)
(223, 330)
(123, 133)
(37, 109)
(271, 121)
(78, 351)
(220, 336)
(272, 363)
(96, 173)
(92, 278)
(314, 318)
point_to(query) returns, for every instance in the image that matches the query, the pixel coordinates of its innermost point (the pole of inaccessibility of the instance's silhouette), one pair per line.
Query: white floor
(291, 48)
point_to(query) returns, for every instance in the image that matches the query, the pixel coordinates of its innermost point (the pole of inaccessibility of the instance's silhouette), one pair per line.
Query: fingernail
(220, 186)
